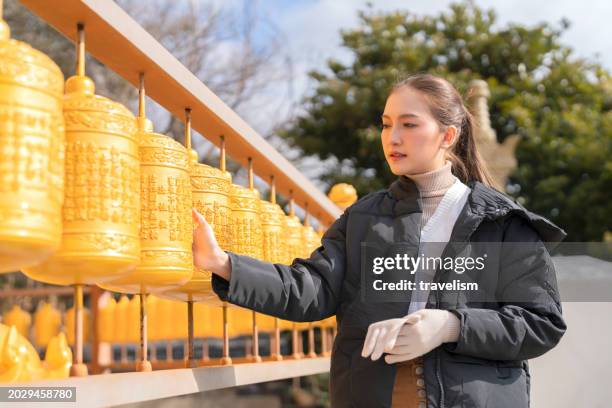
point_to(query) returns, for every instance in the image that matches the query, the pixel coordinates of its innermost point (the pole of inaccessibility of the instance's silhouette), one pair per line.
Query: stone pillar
(499, 158)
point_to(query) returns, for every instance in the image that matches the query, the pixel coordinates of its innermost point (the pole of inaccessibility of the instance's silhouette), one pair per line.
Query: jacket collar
(405, 197)
(483, 202)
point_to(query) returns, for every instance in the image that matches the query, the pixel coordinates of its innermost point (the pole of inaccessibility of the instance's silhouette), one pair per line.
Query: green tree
(559, 104)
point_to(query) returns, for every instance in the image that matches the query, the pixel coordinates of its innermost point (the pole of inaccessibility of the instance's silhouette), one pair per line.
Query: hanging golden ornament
(32, 152)
(100, 239)
(343, 195)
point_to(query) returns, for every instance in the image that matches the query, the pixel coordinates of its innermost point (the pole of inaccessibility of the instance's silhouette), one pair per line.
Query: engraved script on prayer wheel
(272, 223)
(32, 151)
(293, 237)
(166, 231)
(210, 195)
(247, 238)
(100, 239)
(310, 240)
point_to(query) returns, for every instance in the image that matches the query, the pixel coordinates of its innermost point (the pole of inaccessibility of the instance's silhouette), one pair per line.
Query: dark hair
(448, 108)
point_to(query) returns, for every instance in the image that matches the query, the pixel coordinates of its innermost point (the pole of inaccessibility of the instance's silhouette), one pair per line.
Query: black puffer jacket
(487, 366)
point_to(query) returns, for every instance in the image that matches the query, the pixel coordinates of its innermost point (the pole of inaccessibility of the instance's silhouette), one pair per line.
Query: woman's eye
(384, 126)
(409, 125)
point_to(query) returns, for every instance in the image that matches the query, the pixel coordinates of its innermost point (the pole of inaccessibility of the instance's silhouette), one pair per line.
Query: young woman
(443, 348)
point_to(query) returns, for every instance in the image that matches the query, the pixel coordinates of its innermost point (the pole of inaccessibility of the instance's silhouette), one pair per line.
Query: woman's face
(412, 141)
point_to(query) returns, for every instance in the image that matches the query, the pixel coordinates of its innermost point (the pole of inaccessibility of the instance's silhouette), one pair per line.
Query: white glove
(411, 336)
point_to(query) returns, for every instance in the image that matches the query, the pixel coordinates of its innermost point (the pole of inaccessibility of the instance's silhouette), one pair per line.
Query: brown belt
(409, 386)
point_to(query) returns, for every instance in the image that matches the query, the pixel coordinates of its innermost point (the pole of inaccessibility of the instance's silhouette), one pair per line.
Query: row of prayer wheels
(118, 321)
(47, 323)
(92, 196)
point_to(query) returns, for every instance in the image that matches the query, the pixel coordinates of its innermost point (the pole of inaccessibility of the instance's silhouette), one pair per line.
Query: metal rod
(311, 341)
(324, 345)
(80, 57)
(222, 154)
(256, 356)
(226, 359)
(306, 217)
(190, 353)
(78, 369)
(188, 129)
(144, 364)
(250, 168)
(272, 190)
(276, 354)
(141, 96)
(294, 342)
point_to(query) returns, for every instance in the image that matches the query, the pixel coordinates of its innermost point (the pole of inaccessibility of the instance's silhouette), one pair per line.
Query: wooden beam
(106, 390)
(119, 42)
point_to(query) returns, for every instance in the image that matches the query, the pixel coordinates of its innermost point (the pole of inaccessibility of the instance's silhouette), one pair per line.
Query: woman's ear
(450, 136)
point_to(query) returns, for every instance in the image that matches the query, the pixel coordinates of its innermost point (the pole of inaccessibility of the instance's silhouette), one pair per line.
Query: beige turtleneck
(432, 186)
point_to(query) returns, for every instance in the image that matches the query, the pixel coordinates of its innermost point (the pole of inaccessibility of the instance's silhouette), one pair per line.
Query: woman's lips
(396, 156)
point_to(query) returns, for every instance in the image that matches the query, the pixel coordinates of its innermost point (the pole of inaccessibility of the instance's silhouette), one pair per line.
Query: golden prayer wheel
(240, 321)
(272, 223)
(47, 324)
(32, 151)
(209, 320)
(285, 324)
(154, 325)
(179, 319)
(275, 250)
(133, 333)
(310, 239)
(210, 195)
(121, 320)
(293, 237)
(165, 315)
(201, 315)
(70, 323)
(19, 318)
(166, 232)
(246, 221)
(106, 321)
(100, 239)
(343, 195)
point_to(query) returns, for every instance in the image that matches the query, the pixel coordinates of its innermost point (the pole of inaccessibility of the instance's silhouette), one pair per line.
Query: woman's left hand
(412, 336)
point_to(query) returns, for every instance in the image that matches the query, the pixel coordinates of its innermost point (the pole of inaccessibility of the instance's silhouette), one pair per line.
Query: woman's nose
(395, 137)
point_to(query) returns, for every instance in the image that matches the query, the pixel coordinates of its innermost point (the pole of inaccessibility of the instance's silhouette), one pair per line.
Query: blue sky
(311, 27)
(310, 31)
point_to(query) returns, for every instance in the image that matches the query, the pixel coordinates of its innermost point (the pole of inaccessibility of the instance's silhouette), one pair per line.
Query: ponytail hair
(448, 108)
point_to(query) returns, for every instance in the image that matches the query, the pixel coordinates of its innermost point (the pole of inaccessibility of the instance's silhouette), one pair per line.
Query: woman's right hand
(207, 254)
